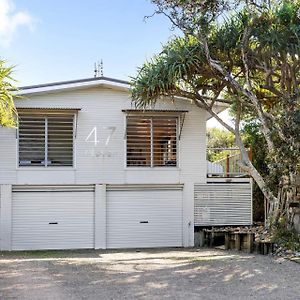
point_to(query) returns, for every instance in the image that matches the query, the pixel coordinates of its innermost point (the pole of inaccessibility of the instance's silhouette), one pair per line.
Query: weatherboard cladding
(8, 155)
(98, 161)
(101, 109)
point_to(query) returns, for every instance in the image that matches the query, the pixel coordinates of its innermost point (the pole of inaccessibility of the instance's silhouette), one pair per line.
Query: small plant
(285, 237)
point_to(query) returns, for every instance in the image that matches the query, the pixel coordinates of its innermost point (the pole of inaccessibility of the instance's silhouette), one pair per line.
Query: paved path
(149, 274)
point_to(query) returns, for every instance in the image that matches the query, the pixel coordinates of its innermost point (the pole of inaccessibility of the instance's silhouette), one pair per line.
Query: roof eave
(73, 85)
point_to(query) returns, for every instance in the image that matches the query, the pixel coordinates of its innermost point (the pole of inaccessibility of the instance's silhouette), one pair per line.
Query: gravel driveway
(148, 274)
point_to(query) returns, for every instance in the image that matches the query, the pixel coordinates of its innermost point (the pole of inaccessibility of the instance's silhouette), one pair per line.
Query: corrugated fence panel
(144, 218)
(223, 204)
(52, 220)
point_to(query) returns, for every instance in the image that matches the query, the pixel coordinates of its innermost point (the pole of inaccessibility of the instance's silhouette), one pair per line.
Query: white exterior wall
(102, 108)
(8, 156)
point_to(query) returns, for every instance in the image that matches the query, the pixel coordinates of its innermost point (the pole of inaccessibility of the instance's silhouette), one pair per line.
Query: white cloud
(11, 20)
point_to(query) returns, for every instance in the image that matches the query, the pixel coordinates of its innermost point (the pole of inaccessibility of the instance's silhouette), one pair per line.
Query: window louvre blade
(59, 140)
(138, 138)
(31, 141)
(151, 137)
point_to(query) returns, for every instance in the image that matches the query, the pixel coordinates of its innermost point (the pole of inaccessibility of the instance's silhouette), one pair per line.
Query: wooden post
(250, 242)
(266, 210)
(212, 239)
(205, 238)
(227, 165)
(237, 241)
(227, 240)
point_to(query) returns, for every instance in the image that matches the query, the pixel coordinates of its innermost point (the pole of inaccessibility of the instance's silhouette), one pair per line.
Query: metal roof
(74, 82)
(53, 87)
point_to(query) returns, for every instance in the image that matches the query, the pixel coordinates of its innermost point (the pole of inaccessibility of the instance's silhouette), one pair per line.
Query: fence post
(227, 165)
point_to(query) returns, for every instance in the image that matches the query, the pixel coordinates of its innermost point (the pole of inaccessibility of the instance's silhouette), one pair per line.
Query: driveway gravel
(147, 274)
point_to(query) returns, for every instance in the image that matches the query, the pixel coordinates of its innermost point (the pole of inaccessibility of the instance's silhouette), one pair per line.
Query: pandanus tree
(8, 113)
(244, 53)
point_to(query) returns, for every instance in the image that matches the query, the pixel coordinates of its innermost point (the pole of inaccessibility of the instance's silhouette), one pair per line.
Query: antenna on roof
(98, 69)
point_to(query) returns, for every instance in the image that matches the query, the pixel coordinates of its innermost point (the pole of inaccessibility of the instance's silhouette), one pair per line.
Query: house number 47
(93, 135)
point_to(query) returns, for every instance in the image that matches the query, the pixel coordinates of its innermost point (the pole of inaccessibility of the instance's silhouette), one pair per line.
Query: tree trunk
(283, 209)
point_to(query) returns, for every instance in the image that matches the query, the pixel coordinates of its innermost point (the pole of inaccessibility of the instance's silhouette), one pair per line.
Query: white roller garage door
(144, 218)
(55, 219)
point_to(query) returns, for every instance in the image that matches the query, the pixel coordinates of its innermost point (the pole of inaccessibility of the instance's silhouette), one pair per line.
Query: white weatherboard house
(87, 170)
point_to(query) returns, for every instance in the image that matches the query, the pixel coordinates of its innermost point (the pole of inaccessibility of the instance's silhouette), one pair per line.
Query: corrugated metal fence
(218, 204)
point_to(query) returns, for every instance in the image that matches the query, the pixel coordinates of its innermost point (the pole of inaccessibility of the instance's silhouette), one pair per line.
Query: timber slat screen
(219, 204)
(151, 141)
(45, 140)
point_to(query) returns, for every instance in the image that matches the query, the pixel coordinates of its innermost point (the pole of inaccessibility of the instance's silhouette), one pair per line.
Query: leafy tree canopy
(244, 53)
(218, 138)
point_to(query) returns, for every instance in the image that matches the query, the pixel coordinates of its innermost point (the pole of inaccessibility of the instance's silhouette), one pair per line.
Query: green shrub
(285, 237)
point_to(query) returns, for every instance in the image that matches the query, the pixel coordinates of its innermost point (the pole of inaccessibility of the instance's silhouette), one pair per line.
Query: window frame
(151, 167)
(45, 115)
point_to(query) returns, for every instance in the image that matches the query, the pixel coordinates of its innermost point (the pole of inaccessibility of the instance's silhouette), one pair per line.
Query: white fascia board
(74, 86)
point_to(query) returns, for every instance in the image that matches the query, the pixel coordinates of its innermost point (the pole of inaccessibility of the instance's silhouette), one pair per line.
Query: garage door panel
(72, 211)
(162, 209)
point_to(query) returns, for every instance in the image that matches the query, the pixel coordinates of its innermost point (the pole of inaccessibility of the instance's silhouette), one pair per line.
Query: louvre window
(46, 140)
(151, 141)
